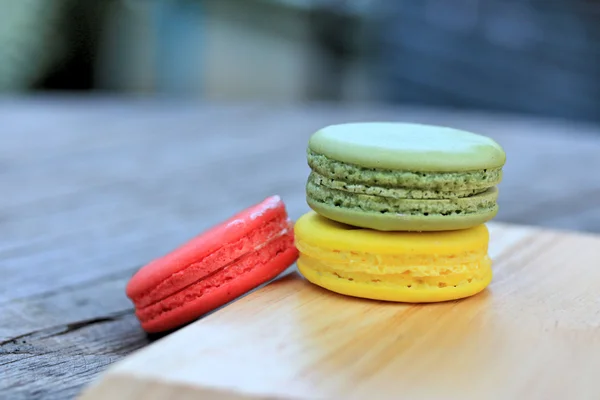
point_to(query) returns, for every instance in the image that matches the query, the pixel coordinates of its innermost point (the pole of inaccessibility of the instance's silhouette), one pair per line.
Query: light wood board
(533, 334)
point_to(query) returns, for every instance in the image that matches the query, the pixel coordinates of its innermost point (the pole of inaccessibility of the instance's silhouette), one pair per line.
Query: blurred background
(536, 57)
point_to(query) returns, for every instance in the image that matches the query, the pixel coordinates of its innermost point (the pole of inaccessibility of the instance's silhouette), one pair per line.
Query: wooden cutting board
(533, 334)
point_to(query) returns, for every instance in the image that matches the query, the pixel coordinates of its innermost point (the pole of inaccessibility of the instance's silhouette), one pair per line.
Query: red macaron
(214, 268)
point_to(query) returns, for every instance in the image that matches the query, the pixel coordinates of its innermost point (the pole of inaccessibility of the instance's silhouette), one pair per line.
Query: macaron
(403, 177)
(409, 267)
(215, 267)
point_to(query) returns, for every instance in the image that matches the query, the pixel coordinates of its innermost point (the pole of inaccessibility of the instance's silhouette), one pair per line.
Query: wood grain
(93, 189)
(533, 334)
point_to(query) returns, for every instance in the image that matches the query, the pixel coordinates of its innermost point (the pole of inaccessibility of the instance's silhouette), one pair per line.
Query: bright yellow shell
(395, 266)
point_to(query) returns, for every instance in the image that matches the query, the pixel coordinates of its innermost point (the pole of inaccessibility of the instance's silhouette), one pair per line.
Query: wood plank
(533, 334)
(88, 301)
(54, 363)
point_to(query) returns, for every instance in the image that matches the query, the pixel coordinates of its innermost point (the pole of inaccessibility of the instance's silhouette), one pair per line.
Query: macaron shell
(209, 264)
(202, 297)
(231, 230)
(409, 147)
(327, 234)
(395, 222)
(392, 293)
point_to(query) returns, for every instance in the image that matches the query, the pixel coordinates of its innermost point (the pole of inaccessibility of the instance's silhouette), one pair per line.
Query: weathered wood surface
(93, 189)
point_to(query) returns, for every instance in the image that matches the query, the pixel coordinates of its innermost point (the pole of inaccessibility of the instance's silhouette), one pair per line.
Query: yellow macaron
(394, 266)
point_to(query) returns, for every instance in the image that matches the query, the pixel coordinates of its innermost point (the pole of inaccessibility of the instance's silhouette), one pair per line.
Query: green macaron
(403, 177)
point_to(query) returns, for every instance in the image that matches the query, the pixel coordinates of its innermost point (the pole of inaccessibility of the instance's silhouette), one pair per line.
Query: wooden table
(93, 189)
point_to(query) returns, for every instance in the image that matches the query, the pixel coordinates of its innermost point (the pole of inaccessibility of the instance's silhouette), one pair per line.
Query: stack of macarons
(399, 211)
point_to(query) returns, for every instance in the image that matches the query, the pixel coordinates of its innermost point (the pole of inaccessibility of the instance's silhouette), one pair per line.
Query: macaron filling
(392, 192)
(480, 203)
(433, 184)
